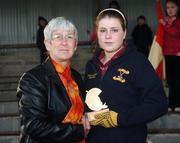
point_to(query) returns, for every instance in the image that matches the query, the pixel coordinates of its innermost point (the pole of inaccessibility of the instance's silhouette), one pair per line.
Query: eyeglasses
(59, 37)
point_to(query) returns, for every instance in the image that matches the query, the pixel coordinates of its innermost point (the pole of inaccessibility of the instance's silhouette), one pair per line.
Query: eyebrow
(110, 27)
(68, 32)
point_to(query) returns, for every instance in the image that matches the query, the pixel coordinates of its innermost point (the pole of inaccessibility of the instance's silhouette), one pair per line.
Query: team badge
(120, 77)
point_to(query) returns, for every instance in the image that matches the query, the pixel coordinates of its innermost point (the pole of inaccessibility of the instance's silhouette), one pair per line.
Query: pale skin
(61, 50)
(171, 9)
(110, 36)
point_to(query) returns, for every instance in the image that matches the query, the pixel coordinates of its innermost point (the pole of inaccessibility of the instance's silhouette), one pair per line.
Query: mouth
(108, 43)
(62, 49)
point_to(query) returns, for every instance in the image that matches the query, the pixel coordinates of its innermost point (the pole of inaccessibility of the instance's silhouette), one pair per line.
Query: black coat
(43, 104)
(142, 37)
(40, 39)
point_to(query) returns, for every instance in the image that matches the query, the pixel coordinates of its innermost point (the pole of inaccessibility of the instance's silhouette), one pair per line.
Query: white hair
(56, 23)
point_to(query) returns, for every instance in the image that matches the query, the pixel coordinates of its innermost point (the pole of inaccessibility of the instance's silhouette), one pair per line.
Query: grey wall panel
(18, 18)
(134, 8)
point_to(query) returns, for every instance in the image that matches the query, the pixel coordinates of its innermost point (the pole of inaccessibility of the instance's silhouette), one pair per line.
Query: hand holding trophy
(101, 115)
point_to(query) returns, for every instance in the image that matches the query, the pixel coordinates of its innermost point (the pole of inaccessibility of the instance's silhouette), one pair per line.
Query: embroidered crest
(120, 76)
(91, 76)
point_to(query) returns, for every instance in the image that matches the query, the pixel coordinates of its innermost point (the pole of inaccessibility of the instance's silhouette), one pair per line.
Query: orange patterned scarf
(75, 113)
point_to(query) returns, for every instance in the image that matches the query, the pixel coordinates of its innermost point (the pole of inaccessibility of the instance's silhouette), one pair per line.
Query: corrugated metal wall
(134, 8)
(18, 18)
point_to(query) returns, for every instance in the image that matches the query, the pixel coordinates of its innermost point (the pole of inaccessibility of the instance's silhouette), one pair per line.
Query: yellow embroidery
(120, 76)
(91, 76)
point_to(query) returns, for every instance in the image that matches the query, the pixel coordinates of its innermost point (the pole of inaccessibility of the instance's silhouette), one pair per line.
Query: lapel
(53, 75)
(51, 72)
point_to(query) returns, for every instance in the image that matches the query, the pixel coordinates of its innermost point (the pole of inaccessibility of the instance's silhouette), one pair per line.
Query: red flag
(156, 53)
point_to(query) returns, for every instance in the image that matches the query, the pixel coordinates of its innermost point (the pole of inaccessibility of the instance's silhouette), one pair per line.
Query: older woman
(50, 95)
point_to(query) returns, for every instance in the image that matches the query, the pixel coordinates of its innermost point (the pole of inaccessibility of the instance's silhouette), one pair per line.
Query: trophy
(94, 103)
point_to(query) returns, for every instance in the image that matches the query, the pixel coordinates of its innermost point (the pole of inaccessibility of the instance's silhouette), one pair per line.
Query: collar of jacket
(128, 49)
(51, 72)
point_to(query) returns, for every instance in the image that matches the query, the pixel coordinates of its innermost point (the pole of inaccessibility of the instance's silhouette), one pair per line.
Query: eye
(102, 30)
(57, 37)
(70, 37)
(115, 30)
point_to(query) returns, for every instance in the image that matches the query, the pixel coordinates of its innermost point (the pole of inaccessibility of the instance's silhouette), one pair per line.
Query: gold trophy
(94, 103)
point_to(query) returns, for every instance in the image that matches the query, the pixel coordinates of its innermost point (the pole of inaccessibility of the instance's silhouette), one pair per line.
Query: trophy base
(91, 115)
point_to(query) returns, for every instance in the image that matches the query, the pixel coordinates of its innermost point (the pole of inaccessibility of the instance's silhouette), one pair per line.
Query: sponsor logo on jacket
(91, 76)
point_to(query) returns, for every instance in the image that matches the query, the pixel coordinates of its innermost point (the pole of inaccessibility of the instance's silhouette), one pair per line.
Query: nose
(64, 41)
(108, 34)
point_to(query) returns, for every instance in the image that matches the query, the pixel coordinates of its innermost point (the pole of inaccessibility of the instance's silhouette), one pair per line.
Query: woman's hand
(178, 54)
(162, 21)
(86, 125)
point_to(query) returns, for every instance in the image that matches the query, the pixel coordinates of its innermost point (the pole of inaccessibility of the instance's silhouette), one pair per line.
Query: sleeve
(35, 121)
(150, 36)
(153, 101)
(159, 10)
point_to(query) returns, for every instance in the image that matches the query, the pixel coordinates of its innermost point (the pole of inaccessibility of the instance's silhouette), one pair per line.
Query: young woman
(171, 50)
(130, 87)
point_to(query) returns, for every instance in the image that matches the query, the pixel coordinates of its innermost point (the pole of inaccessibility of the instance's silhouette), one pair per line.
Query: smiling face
(62, 45)
(61, 40)
(110, 34)
(172, 9)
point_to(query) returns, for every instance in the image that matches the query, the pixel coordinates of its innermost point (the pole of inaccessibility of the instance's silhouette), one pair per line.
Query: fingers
(104, 115)
(86, 125)
(106, 119)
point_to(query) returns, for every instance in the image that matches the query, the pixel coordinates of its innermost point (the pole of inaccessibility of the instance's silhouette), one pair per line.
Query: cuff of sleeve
(79, 132)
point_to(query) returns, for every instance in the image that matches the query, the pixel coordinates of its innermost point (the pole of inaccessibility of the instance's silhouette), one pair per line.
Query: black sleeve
(150, 36)
(154, 102)
(35, 123)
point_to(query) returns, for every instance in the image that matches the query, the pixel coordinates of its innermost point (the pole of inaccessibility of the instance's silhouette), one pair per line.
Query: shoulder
(135, 28)
(178, 21)
(34, 75)
(136, 58)
(141, 68)
(32, 81)
(92, 64)
(148, 27)
(36, 71)
(76, 74)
